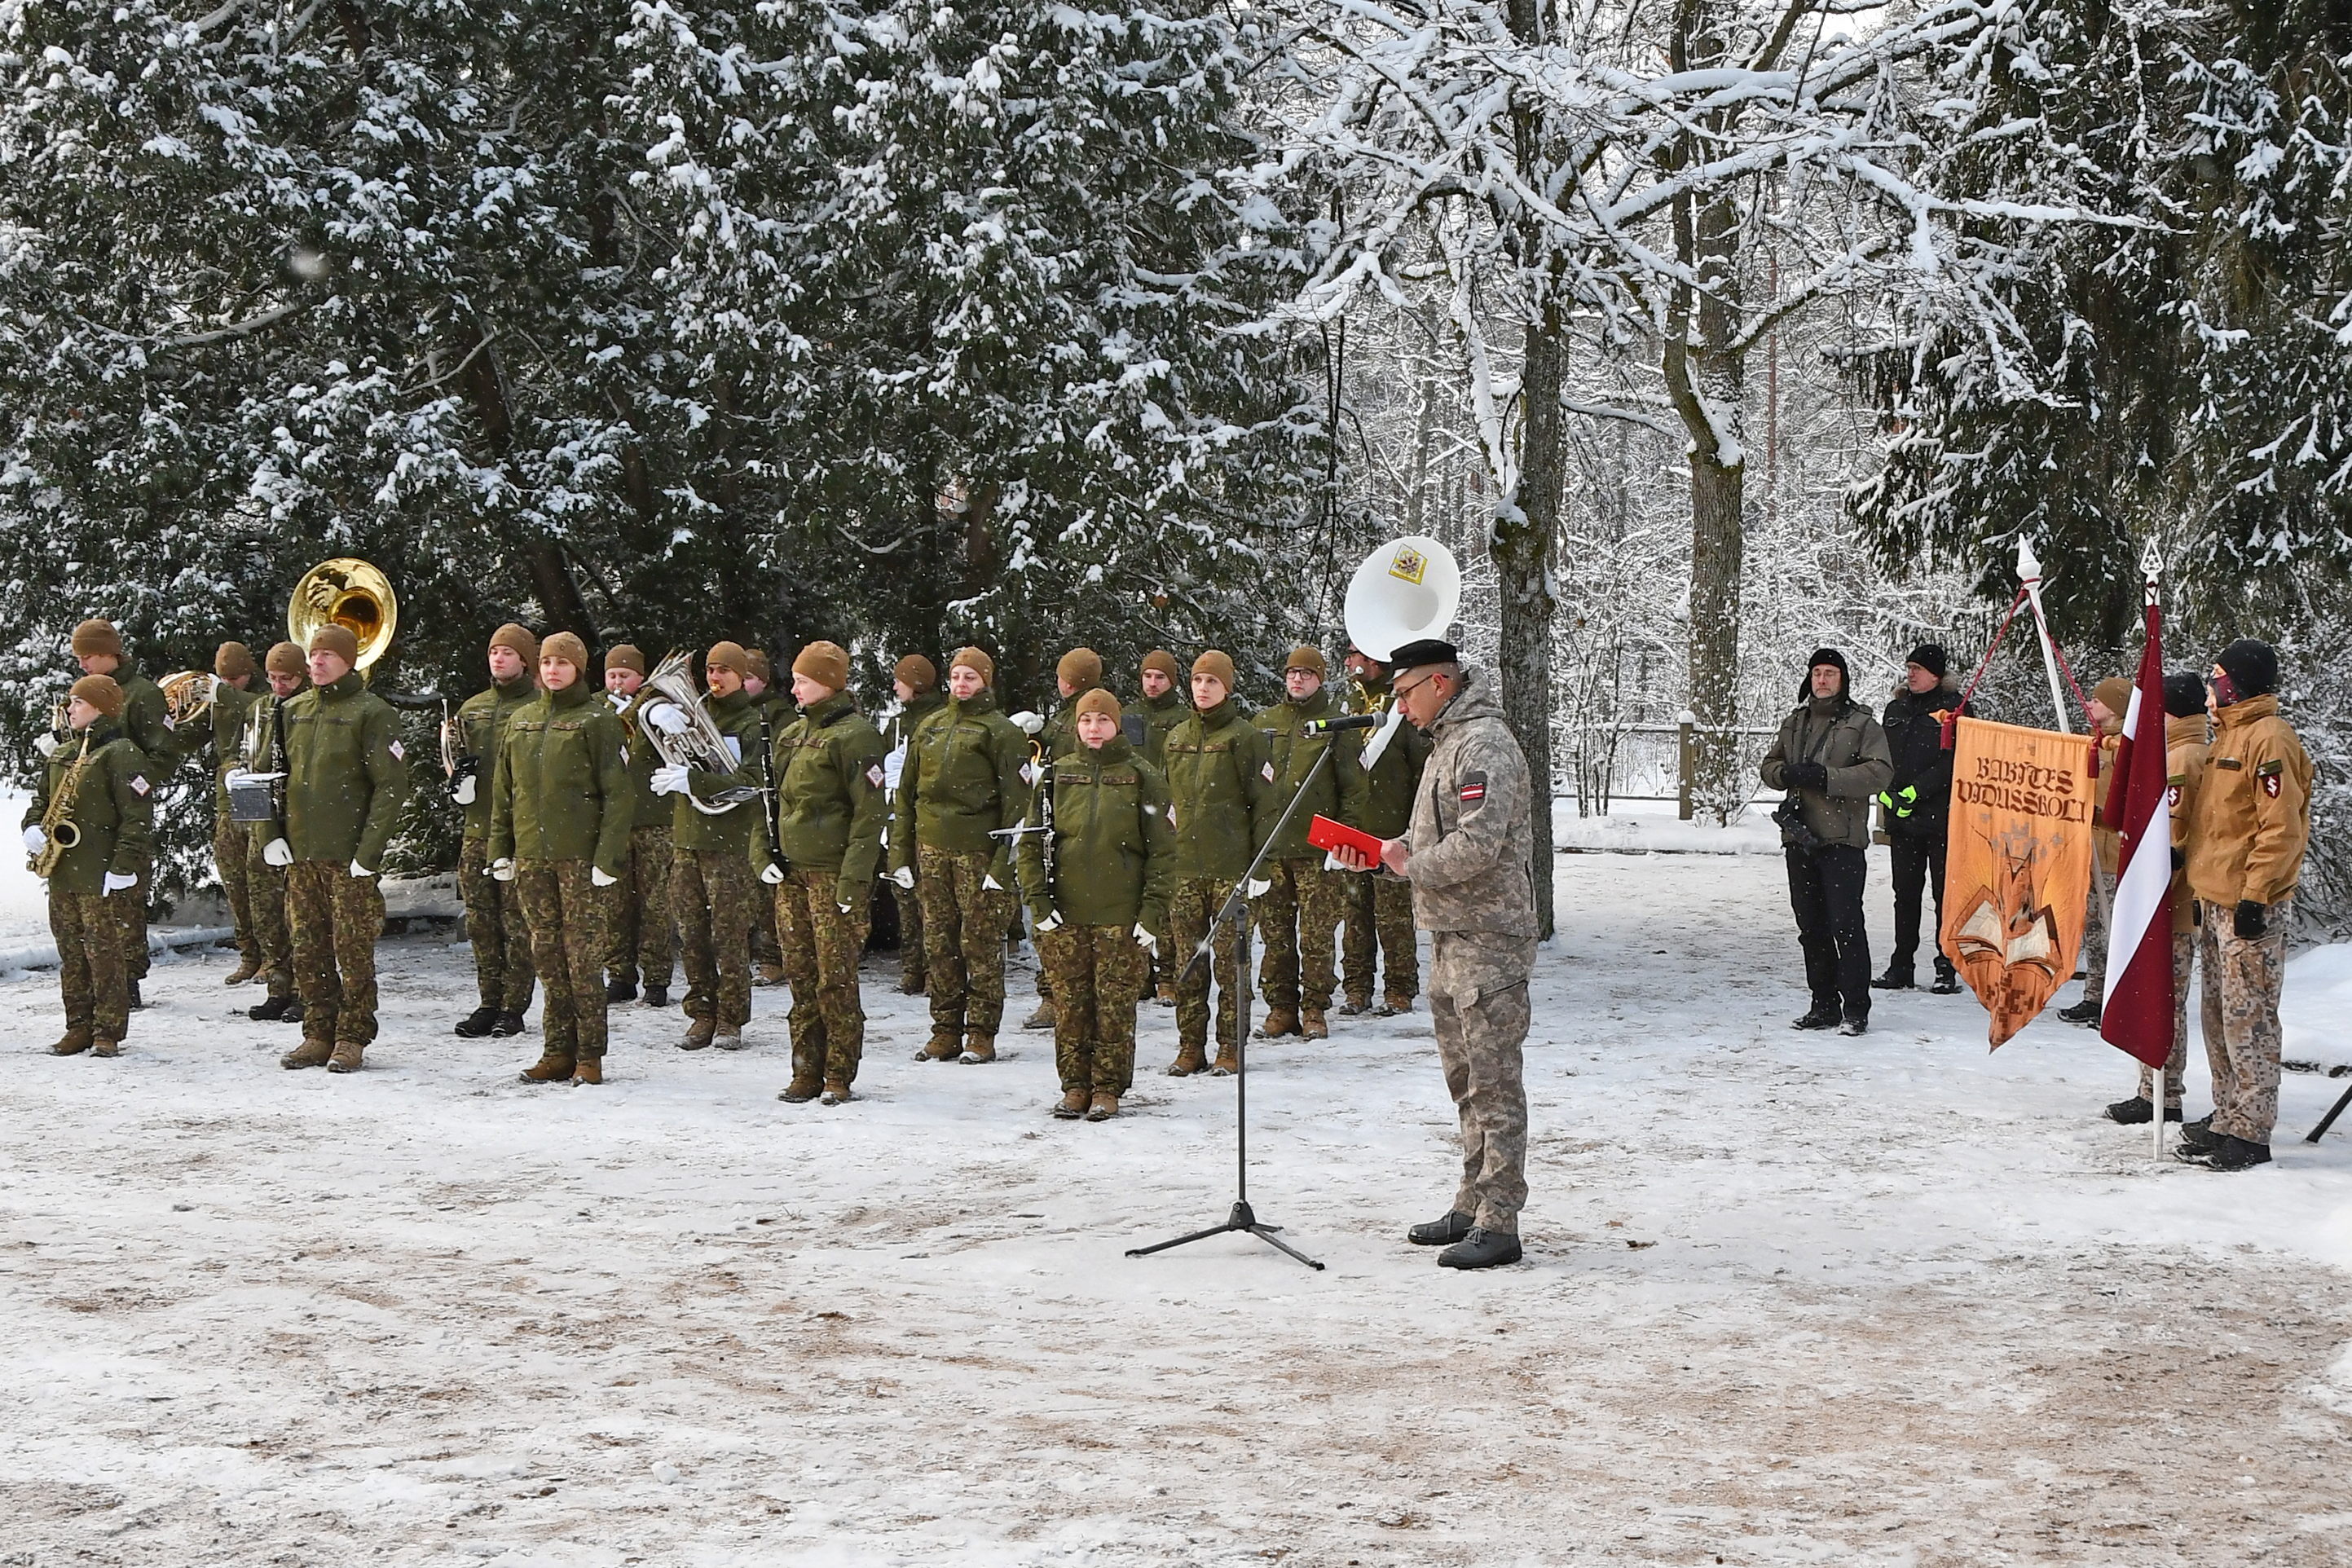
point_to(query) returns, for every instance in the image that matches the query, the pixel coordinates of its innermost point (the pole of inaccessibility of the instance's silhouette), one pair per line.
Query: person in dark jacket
(1916, 806)
(1831, 758)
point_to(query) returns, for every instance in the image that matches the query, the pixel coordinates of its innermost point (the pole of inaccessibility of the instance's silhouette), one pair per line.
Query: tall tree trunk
(1522, 550)
(560, 599)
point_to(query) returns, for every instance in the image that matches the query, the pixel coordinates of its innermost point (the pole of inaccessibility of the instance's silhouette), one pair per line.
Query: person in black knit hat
(1914, 806)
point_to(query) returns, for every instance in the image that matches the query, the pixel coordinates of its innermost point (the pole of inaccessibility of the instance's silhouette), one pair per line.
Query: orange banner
(2017, 865)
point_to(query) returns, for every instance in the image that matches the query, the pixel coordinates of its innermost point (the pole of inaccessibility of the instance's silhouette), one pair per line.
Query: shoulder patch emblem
(1471, 789)
(399, 752)
(138, 781)
(2270, 785)
(2172, 796)
(1268, 772)
(873, 775)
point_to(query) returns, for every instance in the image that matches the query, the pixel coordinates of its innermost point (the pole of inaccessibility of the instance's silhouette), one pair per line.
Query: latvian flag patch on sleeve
(1473, 789)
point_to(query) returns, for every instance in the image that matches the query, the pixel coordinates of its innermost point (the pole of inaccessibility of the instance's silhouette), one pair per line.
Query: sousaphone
(1408, 589)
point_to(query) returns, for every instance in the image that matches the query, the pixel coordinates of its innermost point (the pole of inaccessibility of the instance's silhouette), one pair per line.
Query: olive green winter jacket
(962, 781)
(830, 806)
(1147, 720)
(1114, 853)
(482, 720)
(1336, 789)
(112, 807)
(1221, 793)
(1388, 783)
(647, 809)
(347, 774)
(729, 832)
(561, 789)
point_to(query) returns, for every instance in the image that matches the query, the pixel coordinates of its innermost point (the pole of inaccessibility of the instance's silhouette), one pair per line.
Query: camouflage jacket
(1473, 829)
(113, 808)
(561, 788)
(829, 802)
(1114, 853)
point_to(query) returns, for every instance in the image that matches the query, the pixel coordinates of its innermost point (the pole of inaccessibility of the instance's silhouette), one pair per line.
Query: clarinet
(1046, 815)
(768, 791)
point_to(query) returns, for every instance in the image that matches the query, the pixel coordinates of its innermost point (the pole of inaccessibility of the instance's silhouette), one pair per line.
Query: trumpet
(188, 696)
(701, 745)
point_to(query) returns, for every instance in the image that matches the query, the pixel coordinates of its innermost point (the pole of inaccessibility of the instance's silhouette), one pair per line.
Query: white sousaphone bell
(1406, 590)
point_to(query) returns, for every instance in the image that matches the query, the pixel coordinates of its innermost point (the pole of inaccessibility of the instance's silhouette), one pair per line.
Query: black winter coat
(1914, 742)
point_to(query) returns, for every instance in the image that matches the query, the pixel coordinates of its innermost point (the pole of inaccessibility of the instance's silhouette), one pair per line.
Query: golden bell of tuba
(350, 593)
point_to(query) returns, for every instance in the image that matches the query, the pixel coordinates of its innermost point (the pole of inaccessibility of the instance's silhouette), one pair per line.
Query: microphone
(1352, 722)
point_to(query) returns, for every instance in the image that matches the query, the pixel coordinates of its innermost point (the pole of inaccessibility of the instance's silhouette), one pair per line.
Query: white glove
(1028, 723)
(1146, 940)
(1259, 888)
(46, 745)
(667, 717)
(501, 870)
(596, 878)
(671, 780)
(116, 882)
(35, 841)
(991, 884)
(278, 853)
(619, 702)
(905, 879)
(463, 794)
(360, 871)
(772, 873)
(1051, 922)
(845, 908)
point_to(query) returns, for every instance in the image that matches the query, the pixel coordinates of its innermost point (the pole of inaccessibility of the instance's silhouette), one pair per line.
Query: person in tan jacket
(2186, 730)
(2245, 854)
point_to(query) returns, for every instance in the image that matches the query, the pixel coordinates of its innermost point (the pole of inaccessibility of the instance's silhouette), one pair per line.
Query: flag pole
(2151, 569)
(2029, 574)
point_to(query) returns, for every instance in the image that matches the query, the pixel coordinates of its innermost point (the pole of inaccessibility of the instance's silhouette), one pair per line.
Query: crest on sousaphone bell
(1406, 590)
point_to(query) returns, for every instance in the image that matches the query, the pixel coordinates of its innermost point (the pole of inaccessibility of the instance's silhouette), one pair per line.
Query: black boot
(1855, 1023)
(1444, 1232)
(1481, 1249)
(137, 1003)
(1896, 978)
(657, 996)
(293, 1013)
(2137, 1113)
(1823, 1015)
(1947, 979)
(620, 991)
(2199, 1136)
(505, 1024)
(2238, 1154)
(2084, 1012)
(269, 1012)
(476, 1023)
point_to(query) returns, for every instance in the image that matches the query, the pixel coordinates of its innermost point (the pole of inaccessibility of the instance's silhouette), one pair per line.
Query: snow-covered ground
(1788, 1299)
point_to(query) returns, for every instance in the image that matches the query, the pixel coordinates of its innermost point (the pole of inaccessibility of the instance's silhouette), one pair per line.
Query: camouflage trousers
(2240, 1017)
(130, 907)
(2095, 916)
(1478, 1002)
(910, 931)
(715, 898)
(335, 918)
(266, 896)
(1298, 918)
(565, 911)
(2184, 957)
(821, 947)
(764, 949)
(964, 924)
(1377, 906)
(91, 975)
(1098, 975)
(1196, 902)
(641, 936)
(231, 845)
(494, 924)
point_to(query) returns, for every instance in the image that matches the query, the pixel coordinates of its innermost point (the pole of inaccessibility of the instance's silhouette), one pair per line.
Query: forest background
(1704, 331)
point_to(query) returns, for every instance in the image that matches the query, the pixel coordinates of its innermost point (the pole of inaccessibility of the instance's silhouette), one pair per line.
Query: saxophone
(57, 828)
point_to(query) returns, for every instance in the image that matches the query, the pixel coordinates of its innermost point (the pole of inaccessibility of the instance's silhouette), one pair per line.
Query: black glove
(1804, 776)
(2251, 922)
(2179, 859)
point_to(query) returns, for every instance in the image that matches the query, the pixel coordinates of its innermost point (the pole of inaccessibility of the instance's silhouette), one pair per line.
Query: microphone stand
(1235, 908)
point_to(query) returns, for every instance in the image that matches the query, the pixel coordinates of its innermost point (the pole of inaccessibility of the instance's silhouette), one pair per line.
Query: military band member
(1222, 805)
(775, 710)
(1299, 912)
(1105, 906)
(562, 807)
(233, 698)
(640, 937)
(346, 780)
(961, 785)
(144, 722)
(830, 806)
(1146, 724)
(1079, 671)
(917, 683)
(712, 889)
(287, 673)
(1380, 909)
(494, 922)
(97, 785)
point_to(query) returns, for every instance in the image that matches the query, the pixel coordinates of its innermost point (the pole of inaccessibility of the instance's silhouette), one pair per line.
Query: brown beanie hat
(827, 663)
(285, 658)
(564, 646)
(972, 658)
(516, 637)
(727, 656)
(97, 637)
(1099, 701)
(1305, 658)
(1081, 667)
(2114, 693)
(1215, 663)
(1161, 659)
(624, 655)
(231, 661)
(918, 672)
(756, 666)
(100, 693)
(336, 637)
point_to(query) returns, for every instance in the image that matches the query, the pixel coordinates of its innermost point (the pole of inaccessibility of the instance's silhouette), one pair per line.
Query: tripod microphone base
(1242, 1219)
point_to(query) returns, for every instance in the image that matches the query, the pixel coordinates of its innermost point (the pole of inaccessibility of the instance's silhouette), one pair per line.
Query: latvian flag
(2136, 1017)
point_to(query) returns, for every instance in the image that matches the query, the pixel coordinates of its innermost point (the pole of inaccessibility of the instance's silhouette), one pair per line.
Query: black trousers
(1825, 891)
(1917, 862)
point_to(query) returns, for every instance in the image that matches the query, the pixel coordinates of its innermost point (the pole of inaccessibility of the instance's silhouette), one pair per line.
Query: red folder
(1325, 833)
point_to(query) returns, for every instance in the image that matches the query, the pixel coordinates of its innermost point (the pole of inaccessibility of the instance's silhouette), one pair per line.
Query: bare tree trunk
(1522, 550)
(560, 598)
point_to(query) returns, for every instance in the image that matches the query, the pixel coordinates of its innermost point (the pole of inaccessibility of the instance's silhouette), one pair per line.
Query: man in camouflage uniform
(775, 711)
(232, 701)
(1079, 671)
(287, 673)
(1467, 855)
(1299, 911)
(641, 939)
(830, 805)
(1222, 805)
(1146, 724)
(917, 683)
(1380, 909)
(98, 783)
(144, 722)
(2185, 735)
(346, 780)
(2245, 856)
(962, 785)
(494, 918)
(561, 803)
(1105, 906)
(711, 890)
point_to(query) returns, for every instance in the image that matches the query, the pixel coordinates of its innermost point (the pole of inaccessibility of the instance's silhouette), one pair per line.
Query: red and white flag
(2136, 1014)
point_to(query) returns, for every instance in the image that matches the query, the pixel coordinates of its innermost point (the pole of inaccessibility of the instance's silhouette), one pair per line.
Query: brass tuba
(187, 696)
(350, 593)
(701, 745)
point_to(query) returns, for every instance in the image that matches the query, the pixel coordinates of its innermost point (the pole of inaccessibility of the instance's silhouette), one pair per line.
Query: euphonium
(701, 745)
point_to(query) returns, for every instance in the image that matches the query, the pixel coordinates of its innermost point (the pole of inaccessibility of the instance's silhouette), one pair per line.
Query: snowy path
(1788, 1299)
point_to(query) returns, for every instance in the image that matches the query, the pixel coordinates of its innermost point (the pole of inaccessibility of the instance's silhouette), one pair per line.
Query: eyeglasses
(1401, 692)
